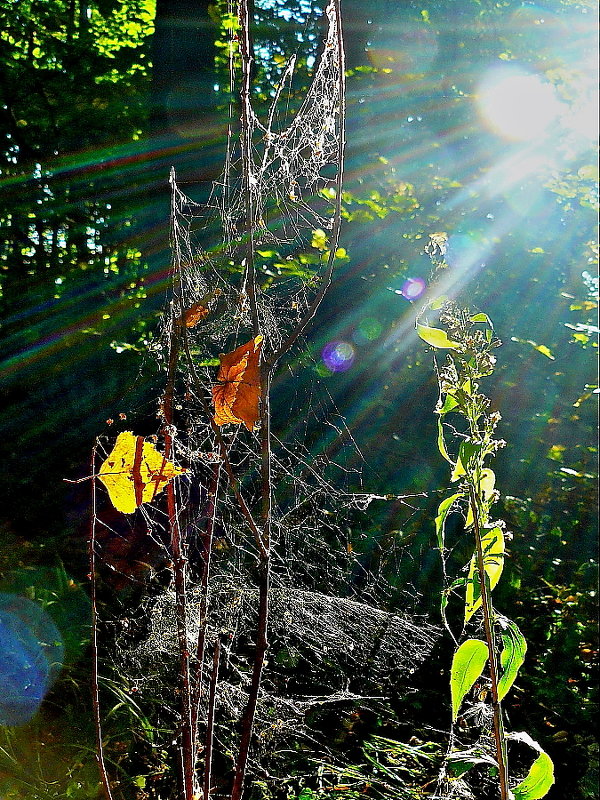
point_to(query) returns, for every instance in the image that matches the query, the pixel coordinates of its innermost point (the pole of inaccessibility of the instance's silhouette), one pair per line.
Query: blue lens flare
(31, 655)
(413, 288)
(338, 356)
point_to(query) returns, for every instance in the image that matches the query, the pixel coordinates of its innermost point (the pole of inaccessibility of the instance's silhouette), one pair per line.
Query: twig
(94, 635)
(187, 744)
(264, 536)
(210, 720)
(267, 369)
(187, 748)
(246, 141)
(259, 657)
(207, 542)
(233, 481)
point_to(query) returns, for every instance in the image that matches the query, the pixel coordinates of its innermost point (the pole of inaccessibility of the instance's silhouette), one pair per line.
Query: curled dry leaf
(199, 310)
(236, 395)
(194, 314)
(134, 472)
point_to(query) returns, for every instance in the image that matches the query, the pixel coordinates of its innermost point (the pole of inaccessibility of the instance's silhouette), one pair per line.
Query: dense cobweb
(331, 643)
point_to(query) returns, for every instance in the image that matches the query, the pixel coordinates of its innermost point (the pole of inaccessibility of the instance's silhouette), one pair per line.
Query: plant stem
(247, 161)
(207, 542)
(179, 560)
(486, 604)
(264, 536)
(263, 539)
(94, 637)
(187, 748)
(337, 214)
(210, 720)
(259, 657)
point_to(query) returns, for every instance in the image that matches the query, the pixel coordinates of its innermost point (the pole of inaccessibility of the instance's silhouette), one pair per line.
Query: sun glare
(518, 105)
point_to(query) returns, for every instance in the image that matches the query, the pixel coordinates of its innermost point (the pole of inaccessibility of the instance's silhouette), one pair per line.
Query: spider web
(332, 646)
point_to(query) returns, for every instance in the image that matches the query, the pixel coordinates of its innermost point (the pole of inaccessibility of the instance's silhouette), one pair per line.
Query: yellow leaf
(319, 239)
(134, 472)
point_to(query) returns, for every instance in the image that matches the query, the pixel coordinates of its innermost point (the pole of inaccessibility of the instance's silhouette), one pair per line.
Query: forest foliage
(90, 130)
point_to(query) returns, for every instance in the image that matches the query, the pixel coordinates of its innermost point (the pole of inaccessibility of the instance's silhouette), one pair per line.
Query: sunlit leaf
(237, 392)
(444, 509)
(512, 656)
(464, 463)
(556, 452)
(319, 239)
(134, 472)
(545, 351)
(439, 301)
(541, 348)
(467, 665)
(540, 777)
(449, 404)
(481, 317)
(492, 544)
(487, 481)
(436, 337)
(441, 442)
(199, 310)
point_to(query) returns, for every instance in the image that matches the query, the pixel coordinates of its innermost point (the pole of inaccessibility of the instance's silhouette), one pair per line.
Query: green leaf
(545, 351)
(512, 656)
(541, 348)
(463, 465)
(436, 337)
(481, 318)
(487, 481)
(441, 443)
(467, 665)
(492, 543)
(449, 404)
(442, 512)
(460, 763)
(319, 239)
(539, 778)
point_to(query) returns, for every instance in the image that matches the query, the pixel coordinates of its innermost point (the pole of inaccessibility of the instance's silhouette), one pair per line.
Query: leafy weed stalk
(490, 648)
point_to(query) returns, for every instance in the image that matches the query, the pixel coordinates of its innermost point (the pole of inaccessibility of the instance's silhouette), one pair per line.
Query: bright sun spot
(518, 105)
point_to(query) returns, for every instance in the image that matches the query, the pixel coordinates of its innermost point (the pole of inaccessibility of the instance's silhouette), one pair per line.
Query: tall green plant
(490, 648)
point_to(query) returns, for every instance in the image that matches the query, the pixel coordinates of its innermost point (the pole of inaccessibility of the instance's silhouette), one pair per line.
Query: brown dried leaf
(236, 395)
(194, 314)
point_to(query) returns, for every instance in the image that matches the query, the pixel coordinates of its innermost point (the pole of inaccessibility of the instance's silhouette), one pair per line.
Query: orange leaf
(194, 314)
(134, 472)
(236, 395)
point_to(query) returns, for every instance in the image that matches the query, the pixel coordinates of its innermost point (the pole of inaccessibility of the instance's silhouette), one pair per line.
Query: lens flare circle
(518, 105)
(338, 356)
(367, 330)
(31, 655)
(413, 288)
